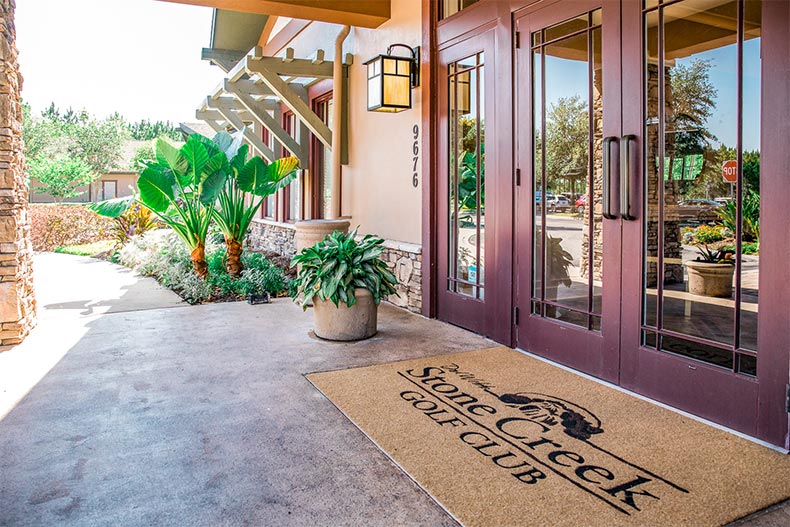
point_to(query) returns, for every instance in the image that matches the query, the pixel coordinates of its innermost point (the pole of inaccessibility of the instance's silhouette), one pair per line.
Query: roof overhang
(368, 13)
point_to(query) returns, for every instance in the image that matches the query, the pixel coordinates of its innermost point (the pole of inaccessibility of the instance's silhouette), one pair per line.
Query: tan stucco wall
(377, 182)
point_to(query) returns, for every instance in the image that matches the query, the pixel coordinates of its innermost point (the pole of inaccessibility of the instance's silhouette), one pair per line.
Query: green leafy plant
(248, 184)
(180, 187)
(709, 255)
(136, 220)
(728, 213)
(332, 268)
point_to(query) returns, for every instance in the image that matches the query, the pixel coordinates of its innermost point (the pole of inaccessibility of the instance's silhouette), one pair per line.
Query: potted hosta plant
(346, 281)
(711, 273)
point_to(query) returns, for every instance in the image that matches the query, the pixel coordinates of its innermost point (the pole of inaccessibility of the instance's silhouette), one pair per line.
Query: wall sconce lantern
(391, 78)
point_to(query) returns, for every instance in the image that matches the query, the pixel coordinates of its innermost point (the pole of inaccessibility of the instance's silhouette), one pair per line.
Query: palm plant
(750, 212)
(180, 187)
(248, 184)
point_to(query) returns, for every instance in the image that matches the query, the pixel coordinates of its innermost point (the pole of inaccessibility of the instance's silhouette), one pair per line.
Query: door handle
(625, 177)
(607, 179)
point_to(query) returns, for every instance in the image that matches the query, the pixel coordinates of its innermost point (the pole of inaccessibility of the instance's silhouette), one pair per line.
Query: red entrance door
(626, 112)
(473, 192)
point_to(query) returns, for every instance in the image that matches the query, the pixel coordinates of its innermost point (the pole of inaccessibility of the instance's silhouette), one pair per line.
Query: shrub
(160, 254)
(54, 225)
(705, 234)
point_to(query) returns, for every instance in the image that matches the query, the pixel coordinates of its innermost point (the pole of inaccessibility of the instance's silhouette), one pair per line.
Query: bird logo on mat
(548, 412)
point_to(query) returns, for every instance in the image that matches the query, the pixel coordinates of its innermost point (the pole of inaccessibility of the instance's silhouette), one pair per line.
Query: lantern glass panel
(390, 66)
(397, 91)
(374, 92)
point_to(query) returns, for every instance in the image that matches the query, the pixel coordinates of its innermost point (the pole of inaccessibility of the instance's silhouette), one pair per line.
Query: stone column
(17, 301)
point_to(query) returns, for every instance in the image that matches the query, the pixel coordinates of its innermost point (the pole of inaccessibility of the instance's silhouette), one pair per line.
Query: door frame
(755, 406)
(595, 353)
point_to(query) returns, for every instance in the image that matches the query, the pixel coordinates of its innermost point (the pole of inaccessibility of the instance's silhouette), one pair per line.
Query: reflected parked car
(557, 203)
(698, 210)
(581, 203)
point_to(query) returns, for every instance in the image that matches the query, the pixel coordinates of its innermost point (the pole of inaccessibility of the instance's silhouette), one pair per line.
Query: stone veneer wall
(17, 301)
(403, 259)
(267, 235)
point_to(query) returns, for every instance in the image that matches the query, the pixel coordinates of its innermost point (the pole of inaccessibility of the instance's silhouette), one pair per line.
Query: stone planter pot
(710, 279)
(346, 323)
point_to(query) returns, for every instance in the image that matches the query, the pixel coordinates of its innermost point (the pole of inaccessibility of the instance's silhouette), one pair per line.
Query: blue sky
(565, 78)
(138, 57)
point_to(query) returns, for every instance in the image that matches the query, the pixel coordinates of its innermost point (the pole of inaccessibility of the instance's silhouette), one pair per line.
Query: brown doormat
(499, 438)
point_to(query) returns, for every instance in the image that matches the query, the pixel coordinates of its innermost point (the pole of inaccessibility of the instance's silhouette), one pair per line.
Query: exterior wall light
(391, 78)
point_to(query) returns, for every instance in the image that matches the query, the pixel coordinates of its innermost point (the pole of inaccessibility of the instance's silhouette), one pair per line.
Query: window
(448, 8)
(292, 194)
(322, 160)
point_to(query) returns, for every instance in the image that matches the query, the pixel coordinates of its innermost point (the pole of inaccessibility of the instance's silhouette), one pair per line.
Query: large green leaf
(233, 147)
(216, 163)
(169, 156)
(223, 140)
(283, 167)
(212, 186)
(238, 161)
(194, 151)
(112, 208)
(156, 189)
(253, 176)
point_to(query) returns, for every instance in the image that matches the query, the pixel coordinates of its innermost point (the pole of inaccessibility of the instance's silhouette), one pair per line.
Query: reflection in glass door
(702, 162)
(466, 244)
(567, 174)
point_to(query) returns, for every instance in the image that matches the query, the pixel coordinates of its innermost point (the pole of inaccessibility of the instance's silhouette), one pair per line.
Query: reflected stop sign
(729, 171)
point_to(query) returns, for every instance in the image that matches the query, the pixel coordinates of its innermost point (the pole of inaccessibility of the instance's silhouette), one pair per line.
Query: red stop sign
(729, 171)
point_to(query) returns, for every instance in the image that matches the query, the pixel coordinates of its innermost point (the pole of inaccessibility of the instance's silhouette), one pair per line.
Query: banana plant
(248, 184)
(180, 187)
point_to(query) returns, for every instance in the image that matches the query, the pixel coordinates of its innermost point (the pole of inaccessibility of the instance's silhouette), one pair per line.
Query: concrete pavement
(145, 411)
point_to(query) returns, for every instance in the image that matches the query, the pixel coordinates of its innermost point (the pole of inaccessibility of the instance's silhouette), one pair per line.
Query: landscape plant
(159, 255)
(180, 187)
(332, 268)
(750, 212)
(248, 184)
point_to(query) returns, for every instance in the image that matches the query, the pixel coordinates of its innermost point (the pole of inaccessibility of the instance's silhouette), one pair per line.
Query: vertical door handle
(625, 177)
(607, 179)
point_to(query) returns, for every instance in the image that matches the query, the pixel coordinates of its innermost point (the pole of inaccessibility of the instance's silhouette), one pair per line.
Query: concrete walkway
(144, 411)
(156, 413)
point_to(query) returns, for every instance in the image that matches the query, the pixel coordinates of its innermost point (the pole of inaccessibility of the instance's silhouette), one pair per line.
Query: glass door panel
(567, 173)
(702, 160)
(466, 206)
(571, 298)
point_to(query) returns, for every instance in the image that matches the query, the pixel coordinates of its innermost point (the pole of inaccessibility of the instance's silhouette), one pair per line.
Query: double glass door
(638, 240)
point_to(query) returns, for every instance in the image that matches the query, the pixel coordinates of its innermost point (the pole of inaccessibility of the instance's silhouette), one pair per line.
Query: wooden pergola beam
(298, 106)
(260, 114)
(230, 115)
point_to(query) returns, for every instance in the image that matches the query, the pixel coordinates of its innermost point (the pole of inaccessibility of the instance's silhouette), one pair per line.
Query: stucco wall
(377, 182)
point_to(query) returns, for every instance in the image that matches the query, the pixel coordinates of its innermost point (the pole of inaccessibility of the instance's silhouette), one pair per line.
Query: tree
(61, 177)
(567, 140)
(99, 143)
(145, 130)
(39, 135)
(142, 153)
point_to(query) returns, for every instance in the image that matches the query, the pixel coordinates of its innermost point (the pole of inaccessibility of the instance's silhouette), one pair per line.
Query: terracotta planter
(346, 323)
(710, 279)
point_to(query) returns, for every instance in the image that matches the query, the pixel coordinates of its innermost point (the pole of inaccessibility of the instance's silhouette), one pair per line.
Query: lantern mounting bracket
(414, 54)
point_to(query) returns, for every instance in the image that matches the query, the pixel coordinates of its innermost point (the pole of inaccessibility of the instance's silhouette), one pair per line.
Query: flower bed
(161, 255)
